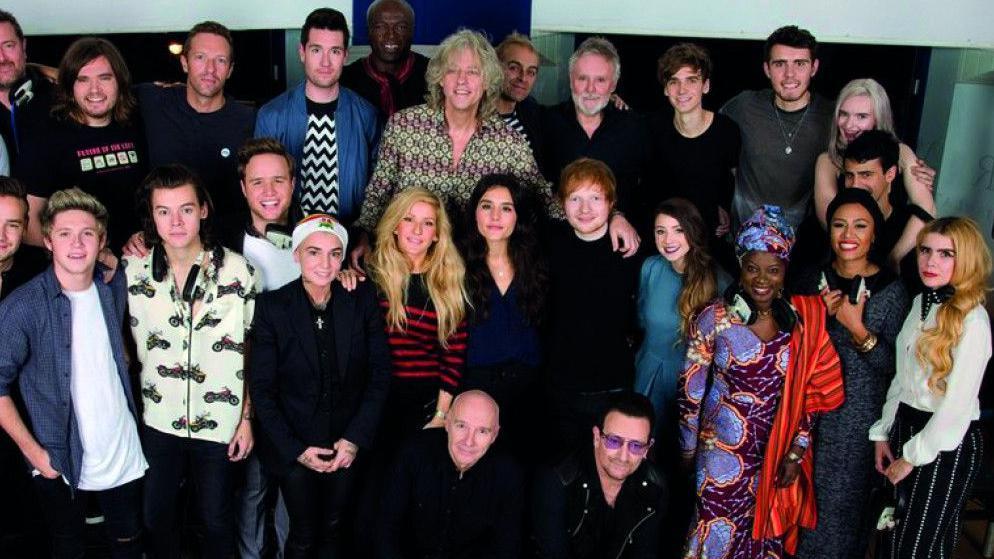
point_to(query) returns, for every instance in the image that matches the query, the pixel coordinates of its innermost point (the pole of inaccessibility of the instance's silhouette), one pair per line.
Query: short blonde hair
(72, 199)
(493, 75)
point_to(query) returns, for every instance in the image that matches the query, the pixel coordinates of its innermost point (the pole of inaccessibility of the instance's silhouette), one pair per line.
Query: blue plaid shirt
(36, 352)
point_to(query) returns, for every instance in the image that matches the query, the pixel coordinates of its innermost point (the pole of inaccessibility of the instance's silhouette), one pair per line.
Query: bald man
(448, 495)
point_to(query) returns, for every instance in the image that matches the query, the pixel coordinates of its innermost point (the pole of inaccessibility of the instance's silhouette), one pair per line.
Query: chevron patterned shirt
(319, 167)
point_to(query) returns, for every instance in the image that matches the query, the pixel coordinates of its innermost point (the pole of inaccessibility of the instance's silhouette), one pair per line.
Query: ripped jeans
(65, 513)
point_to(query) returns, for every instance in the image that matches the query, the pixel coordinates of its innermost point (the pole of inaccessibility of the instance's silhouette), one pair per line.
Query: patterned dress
(726, 422)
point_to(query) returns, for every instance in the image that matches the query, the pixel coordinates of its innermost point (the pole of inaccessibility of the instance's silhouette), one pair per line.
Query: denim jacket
(357, 137)
(36, 353)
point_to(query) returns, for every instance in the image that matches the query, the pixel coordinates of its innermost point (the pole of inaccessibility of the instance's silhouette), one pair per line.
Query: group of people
(403, 310)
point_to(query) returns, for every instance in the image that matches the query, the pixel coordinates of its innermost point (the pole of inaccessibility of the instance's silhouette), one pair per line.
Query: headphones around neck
(191, 291)
(831, 280)
(22, 92)
(742, 305)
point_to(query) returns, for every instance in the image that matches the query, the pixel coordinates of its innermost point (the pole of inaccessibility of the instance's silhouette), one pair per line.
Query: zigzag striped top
(319, 166)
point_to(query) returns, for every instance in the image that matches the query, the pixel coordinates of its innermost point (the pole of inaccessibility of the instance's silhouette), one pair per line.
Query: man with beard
(589, 125)
(198, 125)
(25, 94)
(95, 140)
(392, 77)
(609, 502)
(783, 129)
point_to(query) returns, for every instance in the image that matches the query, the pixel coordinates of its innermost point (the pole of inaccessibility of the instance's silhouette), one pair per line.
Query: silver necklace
(789, 137)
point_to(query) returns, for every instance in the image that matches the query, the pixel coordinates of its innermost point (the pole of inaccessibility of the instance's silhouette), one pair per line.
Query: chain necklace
(789, 137)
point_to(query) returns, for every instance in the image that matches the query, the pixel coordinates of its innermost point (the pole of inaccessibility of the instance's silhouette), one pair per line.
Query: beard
(594, 111)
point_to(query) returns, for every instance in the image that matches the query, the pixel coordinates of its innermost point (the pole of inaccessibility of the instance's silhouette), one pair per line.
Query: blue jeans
(252, 503)
(65, 512)
(206, 465)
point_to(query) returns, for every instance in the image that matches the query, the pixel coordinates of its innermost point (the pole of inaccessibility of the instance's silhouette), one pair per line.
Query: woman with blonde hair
(420, 276)
(930, 416)
(863, 105)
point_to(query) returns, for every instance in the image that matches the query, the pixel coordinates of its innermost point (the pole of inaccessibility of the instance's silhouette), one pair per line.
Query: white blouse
(953, 411)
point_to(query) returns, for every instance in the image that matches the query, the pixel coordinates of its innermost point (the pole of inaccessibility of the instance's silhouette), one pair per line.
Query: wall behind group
(953, 23)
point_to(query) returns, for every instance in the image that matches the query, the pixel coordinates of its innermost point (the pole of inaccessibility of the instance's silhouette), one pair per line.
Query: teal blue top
(659, 361)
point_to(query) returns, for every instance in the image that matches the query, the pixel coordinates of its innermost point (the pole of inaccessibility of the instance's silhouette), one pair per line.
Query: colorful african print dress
(729, 393)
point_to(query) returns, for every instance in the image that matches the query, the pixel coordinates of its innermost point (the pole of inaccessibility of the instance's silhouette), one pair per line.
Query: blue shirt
(504, 336)
(36, 329)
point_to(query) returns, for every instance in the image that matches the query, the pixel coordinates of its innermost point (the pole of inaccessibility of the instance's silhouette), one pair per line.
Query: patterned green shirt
(192, 370)
(416, 151)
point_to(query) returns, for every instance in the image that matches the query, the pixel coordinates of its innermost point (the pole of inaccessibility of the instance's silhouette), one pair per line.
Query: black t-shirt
(592, 313)
(108, 162)
(621, 141)
(698, 169)
(16, 126)
(205, 142)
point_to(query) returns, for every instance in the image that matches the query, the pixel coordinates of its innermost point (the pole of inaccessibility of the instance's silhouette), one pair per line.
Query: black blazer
(285, 378)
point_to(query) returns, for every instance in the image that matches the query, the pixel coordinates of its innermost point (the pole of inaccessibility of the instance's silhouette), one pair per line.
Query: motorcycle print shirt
(191, 342)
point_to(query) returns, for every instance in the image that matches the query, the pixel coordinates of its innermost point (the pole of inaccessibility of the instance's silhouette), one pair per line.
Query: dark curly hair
(531, 275)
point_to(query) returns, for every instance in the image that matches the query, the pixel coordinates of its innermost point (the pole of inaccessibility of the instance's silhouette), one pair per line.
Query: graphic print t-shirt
(108, 162)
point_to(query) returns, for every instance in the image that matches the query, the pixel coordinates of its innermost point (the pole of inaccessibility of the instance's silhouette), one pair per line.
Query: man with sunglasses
(609, 502)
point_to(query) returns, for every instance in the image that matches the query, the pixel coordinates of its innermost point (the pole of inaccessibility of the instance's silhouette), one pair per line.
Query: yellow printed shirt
(192, 368)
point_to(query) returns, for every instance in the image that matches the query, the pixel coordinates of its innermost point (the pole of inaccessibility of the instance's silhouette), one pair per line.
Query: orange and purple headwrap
(767, 231)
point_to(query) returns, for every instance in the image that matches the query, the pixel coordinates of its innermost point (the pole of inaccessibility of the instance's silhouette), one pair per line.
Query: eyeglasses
(635, 447)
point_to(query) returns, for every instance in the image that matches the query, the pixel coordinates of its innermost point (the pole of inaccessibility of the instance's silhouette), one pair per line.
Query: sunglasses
(635, 448)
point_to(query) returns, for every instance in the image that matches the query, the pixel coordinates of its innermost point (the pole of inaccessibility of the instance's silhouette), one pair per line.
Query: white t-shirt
(276, 266)
(112, 454)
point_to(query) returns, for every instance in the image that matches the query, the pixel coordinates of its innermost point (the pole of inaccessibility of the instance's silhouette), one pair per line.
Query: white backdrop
(66, 17)
(950, 23)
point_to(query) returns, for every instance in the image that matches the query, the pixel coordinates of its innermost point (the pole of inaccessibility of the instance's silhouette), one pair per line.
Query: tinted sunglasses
(635, 448)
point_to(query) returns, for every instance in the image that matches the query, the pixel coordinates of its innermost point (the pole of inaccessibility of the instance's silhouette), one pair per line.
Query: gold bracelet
(439, 414)
(866, 345)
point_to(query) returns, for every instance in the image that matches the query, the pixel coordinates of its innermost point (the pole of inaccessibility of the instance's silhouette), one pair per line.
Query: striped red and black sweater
(417, 354)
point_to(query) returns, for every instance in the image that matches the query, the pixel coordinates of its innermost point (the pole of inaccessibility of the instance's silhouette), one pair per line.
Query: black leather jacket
(572, 521)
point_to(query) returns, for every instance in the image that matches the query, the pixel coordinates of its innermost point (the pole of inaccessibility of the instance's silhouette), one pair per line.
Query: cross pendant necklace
(319, 323)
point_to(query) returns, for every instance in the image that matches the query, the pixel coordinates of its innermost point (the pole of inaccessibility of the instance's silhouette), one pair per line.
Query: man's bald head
(472, 425)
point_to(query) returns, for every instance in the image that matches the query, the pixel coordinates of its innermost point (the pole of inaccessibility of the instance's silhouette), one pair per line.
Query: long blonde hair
(970, 271)
(444, 269)
(882, 113)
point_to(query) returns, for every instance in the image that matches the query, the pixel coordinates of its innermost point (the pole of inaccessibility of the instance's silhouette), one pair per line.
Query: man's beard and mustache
(596, 110)
(9, 68)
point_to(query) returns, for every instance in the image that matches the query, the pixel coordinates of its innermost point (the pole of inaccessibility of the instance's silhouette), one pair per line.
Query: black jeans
(206, 465)
(513, 386)
(319, 506)
(65, 513)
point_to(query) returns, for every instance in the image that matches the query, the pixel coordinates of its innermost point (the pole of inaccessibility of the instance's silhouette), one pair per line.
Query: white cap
(319, 223)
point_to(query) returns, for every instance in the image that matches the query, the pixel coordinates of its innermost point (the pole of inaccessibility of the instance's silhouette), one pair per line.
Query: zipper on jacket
(628, 538)
(586, 507)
